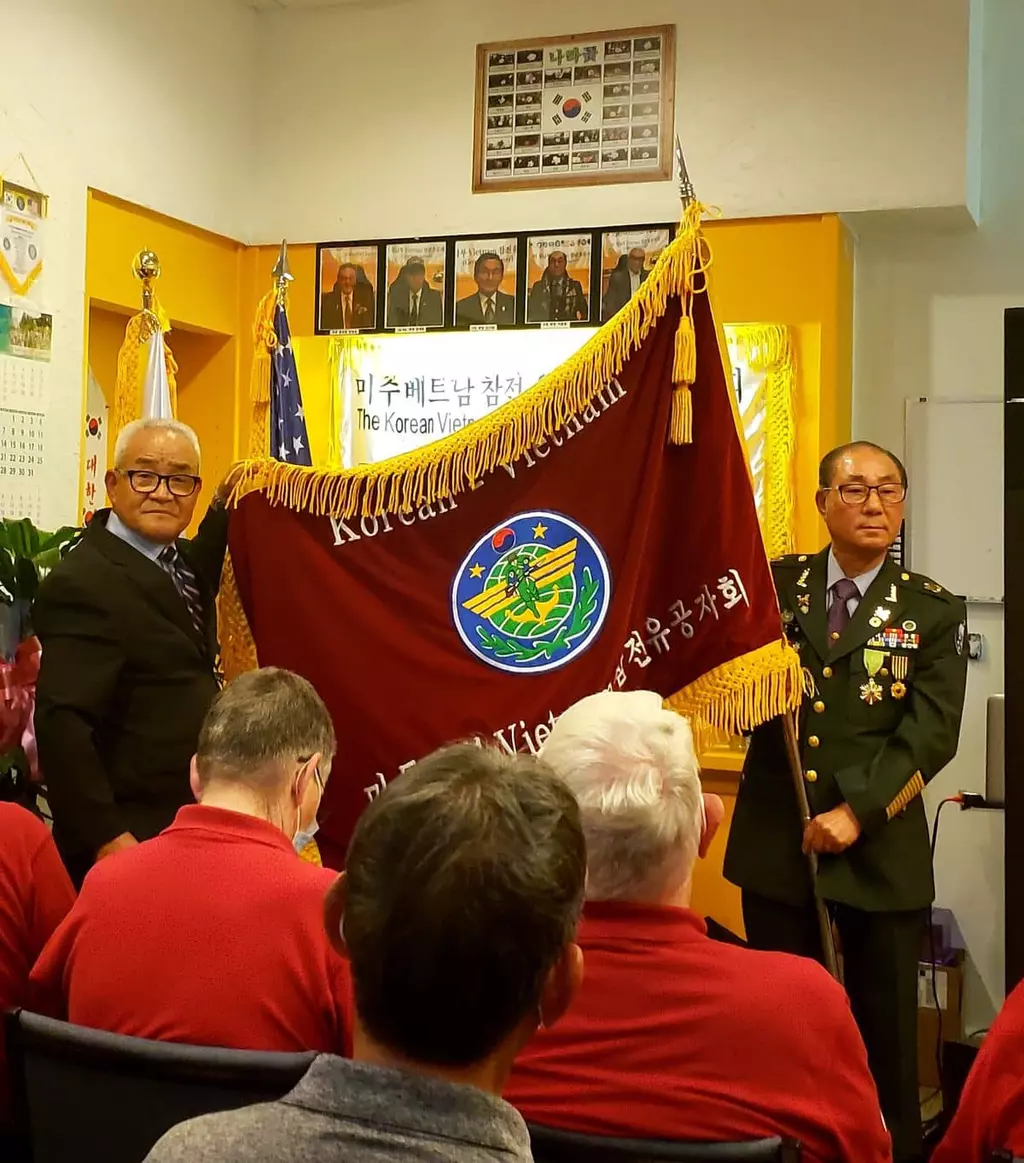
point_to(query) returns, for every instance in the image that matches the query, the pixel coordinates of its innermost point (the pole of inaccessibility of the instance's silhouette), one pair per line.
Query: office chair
(554, 1146)
(93, 1097)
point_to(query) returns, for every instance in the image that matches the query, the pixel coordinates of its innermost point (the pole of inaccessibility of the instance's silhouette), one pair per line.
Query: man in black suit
(351, 305)
(488, 305)
(411, 303)
(624, 282)
(128, 626)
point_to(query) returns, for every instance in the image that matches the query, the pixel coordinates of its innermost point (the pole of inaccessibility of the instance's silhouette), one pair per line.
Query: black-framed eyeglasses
(179, 484)
(890, 493)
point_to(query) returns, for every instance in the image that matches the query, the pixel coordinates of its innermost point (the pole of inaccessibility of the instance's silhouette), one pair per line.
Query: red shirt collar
(656, 924)
(197, 818)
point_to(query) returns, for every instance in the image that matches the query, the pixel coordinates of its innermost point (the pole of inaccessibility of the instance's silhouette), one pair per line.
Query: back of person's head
(261, 730)
(462, 891)
(632, 766)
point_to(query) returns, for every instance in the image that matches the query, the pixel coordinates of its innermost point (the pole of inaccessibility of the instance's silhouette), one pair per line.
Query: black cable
(957, 799)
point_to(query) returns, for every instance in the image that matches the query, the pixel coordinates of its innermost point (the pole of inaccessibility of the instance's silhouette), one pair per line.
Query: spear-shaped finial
(282, 275)
(686, 191)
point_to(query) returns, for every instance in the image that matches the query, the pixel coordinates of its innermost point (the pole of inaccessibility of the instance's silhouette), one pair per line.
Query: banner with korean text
(597, 532)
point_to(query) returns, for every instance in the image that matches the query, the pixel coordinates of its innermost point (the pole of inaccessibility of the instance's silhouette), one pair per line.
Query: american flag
(288, 438)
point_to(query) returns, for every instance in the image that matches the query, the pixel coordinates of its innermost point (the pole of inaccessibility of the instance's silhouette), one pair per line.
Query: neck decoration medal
(900, 667)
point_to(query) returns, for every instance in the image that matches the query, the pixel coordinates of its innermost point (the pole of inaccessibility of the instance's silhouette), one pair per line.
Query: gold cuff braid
(913, 787)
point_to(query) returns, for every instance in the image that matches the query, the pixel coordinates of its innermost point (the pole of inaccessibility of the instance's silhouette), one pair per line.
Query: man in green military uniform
(885, 665)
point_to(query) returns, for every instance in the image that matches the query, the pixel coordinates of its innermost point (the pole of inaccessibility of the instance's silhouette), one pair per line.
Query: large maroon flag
(602, 556)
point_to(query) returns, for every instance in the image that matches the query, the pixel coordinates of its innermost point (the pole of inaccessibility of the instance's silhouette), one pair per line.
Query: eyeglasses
(179, 484)
(888, 494)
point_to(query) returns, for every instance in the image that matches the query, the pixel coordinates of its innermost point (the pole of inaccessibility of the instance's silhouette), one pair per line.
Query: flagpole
(146, 267)
(687, 195)
(282, 273)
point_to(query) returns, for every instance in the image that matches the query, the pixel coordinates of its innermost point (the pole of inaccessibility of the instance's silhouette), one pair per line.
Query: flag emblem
(572, 107)
(532, 593)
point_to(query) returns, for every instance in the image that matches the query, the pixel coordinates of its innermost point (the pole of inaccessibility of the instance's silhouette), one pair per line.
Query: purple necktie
(838, 612)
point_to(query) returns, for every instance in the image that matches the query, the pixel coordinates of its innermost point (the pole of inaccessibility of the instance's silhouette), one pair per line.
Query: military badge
(871, 692)
(787, 616)
(961, 637)
(900, 666)
(531, 594)
(891, 595)
(898, 690)
(882, 613)
(801, 581)
(910, 626)
(803, 601)
(875, 622)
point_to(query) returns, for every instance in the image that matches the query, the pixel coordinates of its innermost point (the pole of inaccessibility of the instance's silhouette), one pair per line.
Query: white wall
(929, 314)
(151, 102)
(783, 106)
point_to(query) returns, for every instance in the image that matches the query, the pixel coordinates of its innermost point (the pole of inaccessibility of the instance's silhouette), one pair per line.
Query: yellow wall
(796, 271)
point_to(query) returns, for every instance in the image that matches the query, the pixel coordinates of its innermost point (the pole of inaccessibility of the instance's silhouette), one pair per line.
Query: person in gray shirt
(458, 911)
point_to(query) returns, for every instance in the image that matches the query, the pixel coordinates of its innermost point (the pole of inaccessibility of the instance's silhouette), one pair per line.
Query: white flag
(156, 392)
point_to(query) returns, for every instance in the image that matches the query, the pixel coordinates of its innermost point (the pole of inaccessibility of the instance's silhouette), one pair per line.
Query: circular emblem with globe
(532, 593)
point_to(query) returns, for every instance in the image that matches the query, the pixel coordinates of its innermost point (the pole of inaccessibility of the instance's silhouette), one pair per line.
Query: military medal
(870, 691)
(787, 616)
(803, 601)
(900, 666)
(801, 581)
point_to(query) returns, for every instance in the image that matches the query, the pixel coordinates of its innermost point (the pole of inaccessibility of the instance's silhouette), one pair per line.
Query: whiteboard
(955, 501)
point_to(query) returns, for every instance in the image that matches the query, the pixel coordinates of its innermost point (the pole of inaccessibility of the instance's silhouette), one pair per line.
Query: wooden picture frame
(589, 109)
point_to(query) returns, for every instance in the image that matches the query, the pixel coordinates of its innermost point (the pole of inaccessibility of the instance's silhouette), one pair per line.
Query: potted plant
(26, 556)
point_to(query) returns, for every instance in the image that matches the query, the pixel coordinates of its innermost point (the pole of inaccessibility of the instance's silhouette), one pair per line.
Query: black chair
(92, 1097)
(553, 1146)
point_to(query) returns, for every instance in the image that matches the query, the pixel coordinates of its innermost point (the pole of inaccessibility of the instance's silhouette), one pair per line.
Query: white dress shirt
(861, 581)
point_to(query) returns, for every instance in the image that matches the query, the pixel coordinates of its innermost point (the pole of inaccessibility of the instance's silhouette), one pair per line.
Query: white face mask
(304, 836)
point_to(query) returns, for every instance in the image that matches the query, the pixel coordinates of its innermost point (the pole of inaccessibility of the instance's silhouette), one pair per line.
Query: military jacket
(880, 719)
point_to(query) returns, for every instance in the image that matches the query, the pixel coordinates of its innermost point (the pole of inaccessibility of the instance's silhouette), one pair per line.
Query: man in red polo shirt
(990, 1116)
(674, 1035)
(35, 895)
(212, 932)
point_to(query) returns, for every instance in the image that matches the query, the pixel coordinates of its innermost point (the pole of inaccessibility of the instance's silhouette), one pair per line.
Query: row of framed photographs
(483, 282)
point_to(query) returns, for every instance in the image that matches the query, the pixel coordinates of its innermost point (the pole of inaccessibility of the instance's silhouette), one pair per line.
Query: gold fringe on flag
(238, 651)
(128, 386)
(741, 693)
(768, 349)
(451, 466)
(264, 342)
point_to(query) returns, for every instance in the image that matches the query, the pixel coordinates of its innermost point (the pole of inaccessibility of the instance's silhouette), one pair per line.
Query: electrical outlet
(975, 647)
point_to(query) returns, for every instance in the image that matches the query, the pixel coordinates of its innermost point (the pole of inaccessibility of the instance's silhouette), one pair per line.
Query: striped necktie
(185, 583)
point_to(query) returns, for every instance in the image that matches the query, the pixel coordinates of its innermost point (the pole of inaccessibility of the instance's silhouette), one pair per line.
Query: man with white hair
(128, 626)
(674, 1035)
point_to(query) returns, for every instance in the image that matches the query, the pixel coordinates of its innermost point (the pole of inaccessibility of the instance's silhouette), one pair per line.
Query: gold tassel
(264, 340)
(128, 385)
(684, 365)
(768, 349)
(238, 651)
(680, 430)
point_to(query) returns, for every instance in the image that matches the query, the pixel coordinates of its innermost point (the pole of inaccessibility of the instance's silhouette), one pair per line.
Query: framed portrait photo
(544, 106)
(558, 276)
(347, 278)
(485, 282)
(627, 257)
(416, 275)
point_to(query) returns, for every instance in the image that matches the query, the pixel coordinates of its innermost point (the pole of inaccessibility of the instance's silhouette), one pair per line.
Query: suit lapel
(878, 597)
(152, 582)
(806, 600)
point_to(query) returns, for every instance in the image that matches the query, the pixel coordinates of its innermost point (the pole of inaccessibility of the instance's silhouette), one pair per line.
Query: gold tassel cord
(768, 349)
(264, 340)
(128, 385)
(911, 789)
(740, 694)
(453, 465)
(238, 651)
